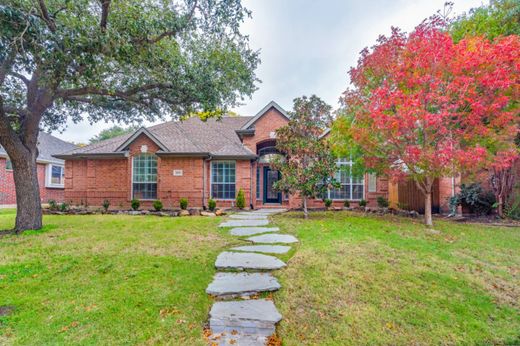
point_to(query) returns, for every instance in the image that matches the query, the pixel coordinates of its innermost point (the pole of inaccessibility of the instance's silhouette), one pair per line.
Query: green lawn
(108, 280)
(353, 280)
(368, 280)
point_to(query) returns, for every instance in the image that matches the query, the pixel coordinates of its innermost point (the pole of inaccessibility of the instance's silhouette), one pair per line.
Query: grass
(352, 280)
(368, 280)
(108, 280)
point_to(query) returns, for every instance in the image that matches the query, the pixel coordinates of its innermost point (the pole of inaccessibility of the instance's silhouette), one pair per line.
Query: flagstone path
(243, 272)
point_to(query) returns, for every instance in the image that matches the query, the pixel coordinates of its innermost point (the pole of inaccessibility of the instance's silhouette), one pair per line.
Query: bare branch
(46, 17)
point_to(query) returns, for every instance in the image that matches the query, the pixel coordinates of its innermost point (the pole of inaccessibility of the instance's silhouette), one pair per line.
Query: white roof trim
(263, 111)
(136, 134)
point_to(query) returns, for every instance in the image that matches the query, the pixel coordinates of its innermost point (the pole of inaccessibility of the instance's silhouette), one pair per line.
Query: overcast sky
(308, 46)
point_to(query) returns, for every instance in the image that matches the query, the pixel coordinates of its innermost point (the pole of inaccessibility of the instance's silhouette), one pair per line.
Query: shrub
(212, 205)
(241, 199)
(512, 210)
(135, 204)
(53, 205)
(64, 207)
(346, 204)
(157, 205)
(106, 204)
(328, 202)
(183, 203)
(474, 198)
(363, 203)
(382, 202)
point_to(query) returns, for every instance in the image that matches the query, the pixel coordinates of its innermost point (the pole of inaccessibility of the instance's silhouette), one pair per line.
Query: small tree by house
(121, 61)
(307, 165)
(426, 107)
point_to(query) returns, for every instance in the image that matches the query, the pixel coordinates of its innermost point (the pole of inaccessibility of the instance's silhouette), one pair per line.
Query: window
(144, 177)
(372, 182)
(257, 182)
(223, 179)
(351, 187)
(8, 165)
(55, 176)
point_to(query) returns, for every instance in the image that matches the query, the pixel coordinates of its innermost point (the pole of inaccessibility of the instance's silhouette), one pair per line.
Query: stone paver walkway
(247, 322)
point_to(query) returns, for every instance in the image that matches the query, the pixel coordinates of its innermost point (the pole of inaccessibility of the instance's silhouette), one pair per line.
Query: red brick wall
(8, 192)
(268, 123)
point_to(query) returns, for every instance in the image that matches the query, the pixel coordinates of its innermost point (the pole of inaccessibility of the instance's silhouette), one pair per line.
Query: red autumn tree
(425, 107)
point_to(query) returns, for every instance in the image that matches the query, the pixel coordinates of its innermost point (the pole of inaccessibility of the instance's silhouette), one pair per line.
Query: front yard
(108, 280)
(354, 279)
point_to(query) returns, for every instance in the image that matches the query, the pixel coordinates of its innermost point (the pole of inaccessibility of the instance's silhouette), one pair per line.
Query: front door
(271, 176)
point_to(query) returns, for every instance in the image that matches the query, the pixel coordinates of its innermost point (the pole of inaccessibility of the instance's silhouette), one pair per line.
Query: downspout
(204, 180)
(251, 185)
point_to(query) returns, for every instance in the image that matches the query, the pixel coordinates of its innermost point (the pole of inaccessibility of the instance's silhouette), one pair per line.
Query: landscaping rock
(240, 261)
(273, 238)
(277, 249)
(207, 213)
(244, 231)
(244, 223)
(219, 212)
(249, 317)
(194, 212)
(184, 213)
(241, 284)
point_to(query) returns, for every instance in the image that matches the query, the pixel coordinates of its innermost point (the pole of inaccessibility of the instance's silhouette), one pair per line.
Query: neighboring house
(50, 171)
(197, 160)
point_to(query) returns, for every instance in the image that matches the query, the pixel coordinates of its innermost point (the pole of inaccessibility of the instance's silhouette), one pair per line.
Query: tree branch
(46, 17)
(105, 4)
(5, 66)
(67, 93)
(20, 77)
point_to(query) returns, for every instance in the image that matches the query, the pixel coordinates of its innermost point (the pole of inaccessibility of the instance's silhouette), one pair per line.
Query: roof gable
(136, 134)
(264, 110)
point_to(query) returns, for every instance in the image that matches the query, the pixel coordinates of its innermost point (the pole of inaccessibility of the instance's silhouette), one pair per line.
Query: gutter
(89, 156)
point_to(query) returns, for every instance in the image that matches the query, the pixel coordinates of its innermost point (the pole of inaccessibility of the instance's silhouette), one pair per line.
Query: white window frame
(211, 180)
(344, 162)
(156, 181)
(48, 176)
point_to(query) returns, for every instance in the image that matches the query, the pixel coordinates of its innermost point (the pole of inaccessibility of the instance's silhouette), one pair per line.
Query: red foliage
(431, 107)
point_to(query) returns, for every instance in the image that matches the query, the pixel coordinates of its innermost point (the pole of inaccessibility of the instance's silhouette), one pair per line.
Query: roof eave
(80, 156)
(234, 157)
(182, 154)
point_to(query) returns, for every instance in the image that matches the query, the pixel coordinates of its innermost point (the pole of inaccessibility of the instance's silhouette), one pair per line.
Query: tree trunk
(28, 202)
(428, 209)
(500, 208)
(305, 211)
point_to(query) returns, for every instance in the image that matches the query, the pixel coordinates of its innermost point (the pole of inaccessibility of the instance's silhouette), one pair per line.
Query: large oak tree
(116, 60)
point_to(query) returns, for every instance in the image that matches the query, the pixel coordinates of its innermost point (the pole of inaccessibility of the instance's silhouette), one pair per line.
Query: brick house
(197, 160)
(51, 175)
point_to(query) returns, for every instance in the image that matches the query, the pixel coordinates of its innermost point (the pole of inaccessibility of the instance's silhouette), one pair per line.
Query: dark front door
(271, 176)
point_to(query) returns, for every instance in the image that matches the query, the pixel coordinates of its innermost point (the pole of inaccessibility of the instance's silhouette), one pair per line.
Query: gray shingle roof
(48, 146)
(216, 137)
